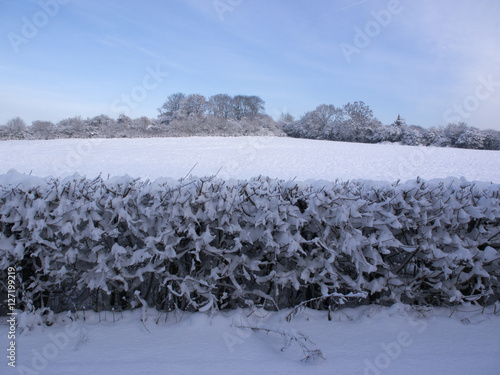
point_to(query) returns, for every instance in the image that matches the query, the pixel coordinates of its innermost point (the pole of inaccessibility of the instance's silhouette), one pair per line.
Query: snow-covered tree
(359, 113)
(170, 107)
(16, 125)
(321, 123)
(101, 125)
(72, 127)
(394, 132)
(453, 131)
(124, 120)
(194, 104)
(492, 140)
(431, 136)
(412, 136)
(360, 125)
(43, 129)
(399, 123)
(326, 119)
(142, 123)
(4, 132)
(471, 138)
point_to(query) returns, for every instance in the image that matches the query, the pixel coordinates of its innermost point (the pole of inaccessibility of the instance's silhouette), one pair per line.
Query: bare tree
(238, 107)
(360, 125)
(286, 118)
(358, 112)
(220, 105)
(254, 105)
(194, 104)
(171, 106)
(246, 106)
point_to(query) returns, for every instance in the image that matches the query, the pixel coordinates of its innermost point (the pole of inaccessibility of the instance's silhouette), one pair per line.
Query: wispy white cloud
(466, 31)
(427, 59)
(127, 44)
(205, 8)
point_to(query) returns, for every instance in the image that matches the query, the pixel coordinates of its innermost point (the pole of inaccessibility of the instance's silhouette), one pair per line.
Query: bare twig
(289, 336)
(343, 297)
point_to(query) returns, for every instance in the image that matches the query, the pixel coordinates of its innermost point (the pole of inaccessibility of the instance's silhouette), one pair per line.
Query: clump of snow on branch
(205, 244)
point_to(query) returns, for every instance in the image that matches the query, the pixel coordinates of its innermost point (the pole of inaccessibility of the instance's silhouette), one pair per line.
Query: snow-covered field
(246, 157)
(365, 340)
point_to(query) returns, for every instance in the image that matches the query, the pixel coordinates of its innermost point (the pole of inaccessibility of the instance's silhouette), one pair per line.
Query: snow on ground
(246, 157)
(365, 340)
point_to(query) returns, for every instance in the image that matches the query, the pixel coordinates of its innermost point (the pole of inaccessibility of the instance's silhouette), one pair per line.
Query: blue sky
(430, 61)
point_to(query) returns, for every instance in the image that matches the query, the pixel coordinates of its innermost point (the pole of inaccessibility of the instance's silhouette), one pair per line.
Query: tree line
(242, 115)
(355, 122)
(221, 106)
(180, 115)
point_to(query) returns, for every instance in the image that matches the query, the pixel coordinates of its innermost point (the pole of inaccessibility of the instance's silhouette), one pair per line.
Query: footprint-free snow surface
(245, 157)
(366, 341)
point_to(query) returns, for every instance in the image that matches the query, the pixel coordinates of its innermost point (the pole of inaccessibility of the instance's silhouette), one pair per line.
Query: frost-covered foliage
(180, 125)
(219, 106)
(354, 122)
(221, 114)
(203, 243)
(181, 115)
(242, 115)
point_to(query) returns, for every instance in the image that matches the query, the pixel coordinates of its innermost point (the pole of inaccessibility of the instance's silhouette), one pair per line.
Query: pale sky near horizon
(433, 62)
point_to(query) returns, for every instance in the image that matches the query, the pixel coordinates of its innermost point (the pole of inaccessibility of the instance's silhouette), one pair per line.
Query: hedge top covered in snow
(206, 243)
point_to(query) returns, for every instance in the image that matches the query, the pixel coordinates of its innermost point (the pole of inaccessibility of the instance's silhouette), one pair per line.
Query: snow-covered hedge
(204, 243)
